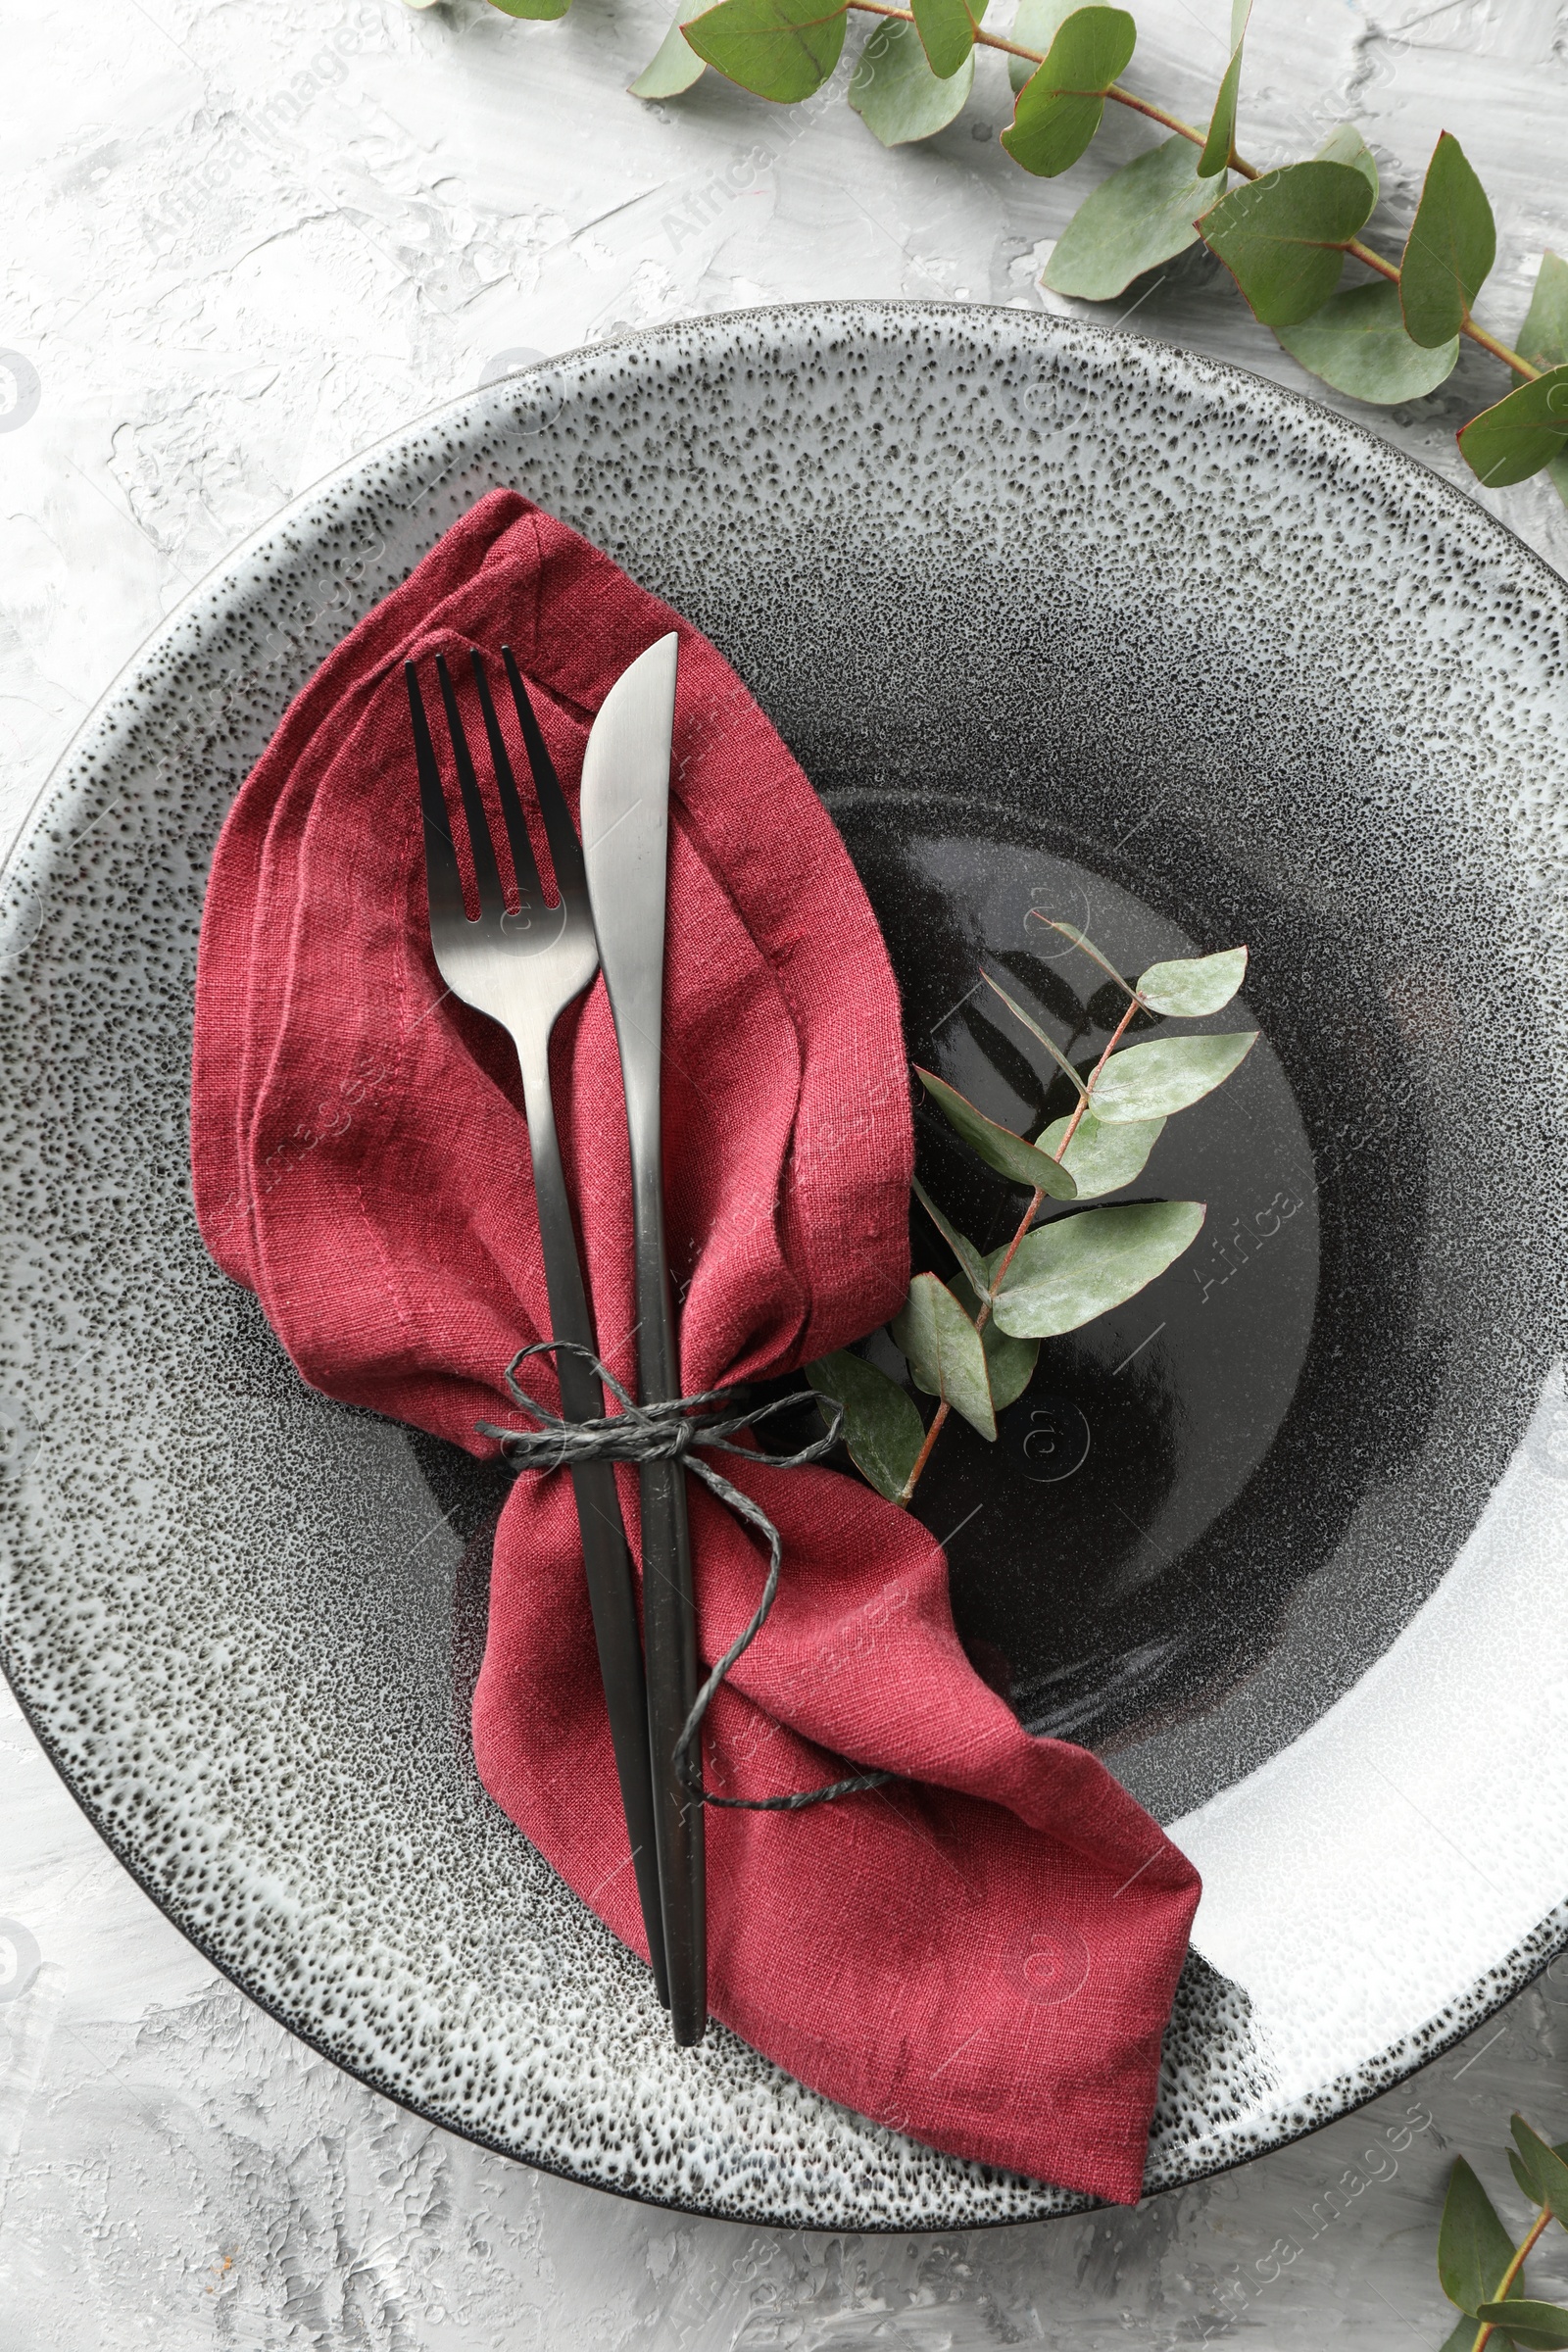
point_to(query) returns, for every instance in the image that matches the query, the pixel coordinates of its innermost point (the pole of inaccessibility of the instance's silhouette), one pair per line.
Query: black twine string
(670, 1432)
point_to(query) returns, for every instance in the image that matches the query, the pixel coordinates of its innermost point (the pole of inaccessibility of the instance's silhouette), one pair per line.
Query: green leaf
(1059, 107)
(1189, 985)
(1283, 237)
(1143, 215)
(1033, 1026)
(675, 64)
(1101, 1158)
(1010, 1362)
(1450, 248)
(943, 1350)
(1150, 1081)
(1544, 336)
(1519, 434)
(1066, 1273)
(947, 35)
(1050, 130)
(998, 1147)
(1462, 2339)
(1357, 343)
(541, 12)
(882, 1425)
(1540, 2327)
(779, 49)
(1546, 2166)
(1035, 26)
(1525, 2177)
(1222, 122)
(1345, 145)
(963, 1250)
(1081, 940)
(895, 92)
(1474, 2249)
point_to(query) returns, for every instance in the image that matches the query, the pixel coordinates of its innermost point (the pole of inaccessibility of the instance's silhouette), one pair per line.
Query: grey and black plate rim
(210, 1613)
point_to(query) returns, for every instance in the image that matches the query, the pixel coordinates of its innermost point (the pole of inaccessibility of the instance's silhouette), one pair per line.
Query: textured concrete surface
(244, 238)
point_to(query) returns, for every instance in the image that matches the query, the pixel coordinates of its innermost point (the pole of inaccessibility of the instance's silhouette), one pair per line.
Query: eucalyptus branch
(940, 1419)
(974, 1347)
(988, 1301)
(1237, 163)
(1510, 2277)
(1283, 235)
(1479, 2266)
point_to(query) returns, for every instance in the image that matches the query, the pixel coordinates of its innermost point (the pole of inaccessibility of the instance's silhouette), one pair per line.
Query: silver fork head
(522, 965)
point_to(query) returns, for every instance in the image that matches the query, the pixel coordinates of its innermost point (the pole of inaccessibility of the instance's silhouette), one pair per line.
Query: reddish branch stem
(1506, 2283)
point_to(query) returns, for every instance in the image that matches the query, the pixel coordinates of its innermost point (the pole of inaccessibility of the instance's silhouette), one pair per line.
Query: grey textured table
(242, 242)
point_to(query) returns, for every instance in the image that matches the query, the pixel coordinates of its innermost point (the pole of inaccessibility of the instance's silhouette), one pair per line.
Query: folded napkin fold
(983, 1951)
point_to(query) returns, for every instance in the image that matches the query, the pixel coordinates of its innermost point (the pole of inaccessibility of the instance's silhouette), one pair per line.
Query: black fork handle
(611, 1593)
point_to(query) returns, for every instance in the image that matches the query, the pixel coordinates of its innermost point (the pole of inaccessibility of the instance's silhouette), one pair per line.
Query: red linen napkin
(981, 1953)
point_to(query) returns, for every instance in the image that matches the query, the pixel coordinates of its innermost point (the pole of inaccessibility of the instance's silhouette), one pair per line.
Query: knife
(626, 841)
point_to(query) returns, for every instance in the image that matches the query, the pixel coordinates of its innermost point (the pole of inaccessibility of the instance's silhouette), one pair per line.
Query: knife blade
(625, 840)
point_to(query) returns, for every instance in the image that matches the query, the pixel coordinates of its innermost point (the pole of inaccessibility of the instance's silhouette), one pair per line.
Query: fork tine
(486, 872)
(443, 881)
(525, 864)
(566, 852)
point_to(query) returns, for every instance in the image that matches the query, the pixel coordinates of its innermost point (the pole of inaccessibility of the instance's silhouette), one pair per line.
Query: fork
(524, 970)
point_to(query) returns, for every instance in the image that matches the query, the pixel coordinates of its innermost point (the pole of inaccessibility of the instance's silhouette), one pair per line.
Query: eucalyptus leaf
(1051, 128)
(998, 1145)
(1450, 248)
(1033, 1026)
(1283, 237)
(675, 64)
(539, 12)
(1538, 2326)
(1102, 1158)
(1059, 107)
(1461, 2340)
(1357, 343)
(882, 1426)
(947, 35)
(1035, 26)
(1143, 215)
(779, 49)
(1168, 1074)
(1189, 985)
(1066, 1273)
(1544, 336)
(1474, 2249)
(895, 92)
(963, 1250)
(1524, 2176)
(1010, 1362)
(1546, 2166)
(944, 1351)
(1081, 940)
(1519, 434)
(1345, 145)
(1222, 122)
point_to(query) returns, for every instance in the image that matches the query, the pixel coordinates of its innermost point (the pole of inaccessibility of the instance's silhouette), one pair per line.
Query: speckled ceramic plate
(1052, 618)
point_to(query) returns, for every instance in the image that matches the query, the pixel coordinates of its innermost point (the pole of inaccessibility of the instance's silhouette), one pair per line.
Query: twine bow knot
(671, 1431)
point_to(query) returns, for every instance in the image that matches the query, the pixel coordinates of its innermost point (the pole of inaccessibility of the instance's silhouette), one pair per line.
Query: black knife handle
(669, 1612)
